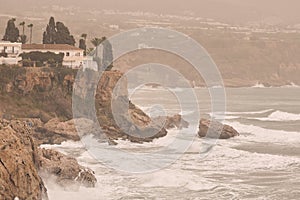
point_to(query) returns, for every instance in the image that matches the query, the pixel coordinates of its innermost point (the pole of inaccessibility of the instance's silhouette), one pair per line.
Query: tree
(63, 35)
(30, 26)
(89, 51)
(23, 27)
(57, 33)
(84, 35)
(107, 55)
(96, 42)
(40, 58)
(11, 31)
(82, 42)
(50, 33)
(23, 37)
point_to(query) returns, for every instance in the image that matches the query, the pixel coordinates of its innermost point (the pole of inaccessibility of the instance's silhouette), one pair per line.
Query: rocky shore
(24, 164)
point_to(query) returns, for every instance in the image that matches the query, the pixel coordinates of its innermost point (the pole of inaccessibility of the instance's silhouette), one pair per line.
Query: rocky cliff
(36, 92)
(22, 162)
(19, 164)
(46, 93)
(117, 116)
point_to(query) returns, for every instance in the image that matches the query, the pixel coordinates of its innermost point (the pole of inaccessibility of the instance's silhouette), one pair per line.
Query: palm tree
(82, 42)
(89, 51)
(96, 42)
(84, 36)
(23, 39)
(30, 26)
(23, 27)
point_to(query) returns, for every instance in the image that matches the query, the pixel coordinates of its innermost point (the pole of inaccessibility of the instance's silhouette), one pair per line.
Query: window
(77, 54)
(68, 54)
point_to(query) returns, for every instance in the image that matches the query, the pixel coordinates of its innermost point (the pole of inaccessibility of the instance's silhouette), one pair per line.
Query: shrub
(39, 57)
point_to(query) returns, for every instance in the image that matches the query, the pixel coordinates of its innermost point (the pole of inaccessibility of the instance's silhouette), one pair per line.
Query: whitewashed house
(73, 56)
(89, 63)
(10, 53)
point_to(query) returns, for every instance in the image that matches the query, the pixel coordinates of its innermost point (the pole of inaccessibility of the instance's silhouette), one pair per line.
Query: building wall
(72, 58)
(13, 51)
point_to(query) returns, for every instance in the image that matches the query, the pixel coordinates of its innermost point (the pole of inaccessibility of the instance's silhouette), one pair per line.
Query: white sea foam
(170, 178)
(291, 85)
(244, 113)
(258, 85)
(236, 115)
(67, 144)
(259, 134)
(225, 117)
(156, 143)
(189, 172)
(279, 116)
(250, 112)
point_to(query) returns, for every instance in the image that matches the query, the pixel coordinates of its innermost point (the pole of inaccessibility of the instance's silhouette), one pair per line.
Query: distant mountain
(231, 11)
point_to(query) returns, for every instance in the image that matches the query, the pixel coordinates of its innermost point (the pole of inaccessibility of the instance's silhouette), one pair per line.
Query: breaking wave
(279, 116)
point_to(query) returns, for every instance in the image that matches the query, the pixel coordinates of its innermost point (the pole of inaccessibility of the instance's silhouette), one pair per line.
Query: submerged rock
(216, 130)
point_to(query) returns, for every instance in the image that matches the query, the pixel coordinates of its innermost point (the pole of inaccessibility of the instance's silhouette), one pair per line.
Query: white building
(89, 63)
(73, 56)
(10, 52)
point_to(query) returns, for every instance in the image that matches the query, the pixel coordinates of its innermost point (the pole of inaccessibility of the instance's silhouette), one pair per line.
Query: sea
(262, 163)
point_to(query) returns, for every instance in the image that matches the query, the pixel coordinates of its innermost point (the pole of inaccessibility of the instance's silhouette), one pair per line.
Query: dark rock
(216, 130)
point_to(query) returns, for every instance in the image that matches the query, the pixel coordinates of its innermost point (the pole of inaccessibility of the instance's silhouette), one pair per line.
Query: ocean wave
(226, 117)
(259, 85)
(66, 144)
(250, 112)
(279, 116)
(291, 85)
(259, 134)
(233, 115)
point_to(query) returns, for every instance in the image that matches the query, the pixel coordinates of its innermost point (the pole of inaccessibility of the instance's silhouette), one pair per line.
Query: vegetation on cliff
(36, 92)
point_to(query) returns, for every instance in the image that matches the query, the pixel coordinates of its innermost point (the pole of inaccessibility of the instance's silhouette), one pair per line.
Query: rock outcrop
(46, 93)
(21, 161)
(175, 121)
(19, 175)
(56, 132)
(38, 92)
(118, 117)
(215, 129)
(66, 170)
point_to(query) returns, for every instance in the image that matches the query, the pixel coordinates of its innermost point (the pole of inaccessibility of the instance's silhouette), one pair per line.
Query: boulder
(19, 176)
(175, 121)
(66, 170)
(216, 130)
(56, 132)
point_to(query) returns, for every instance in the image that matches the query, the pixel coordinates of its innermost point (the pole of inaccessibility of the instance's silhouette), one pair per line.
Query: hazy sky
(225, 10)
